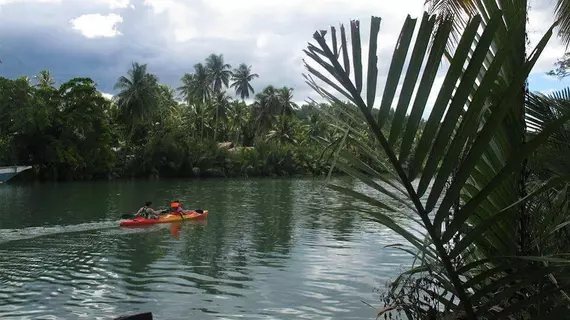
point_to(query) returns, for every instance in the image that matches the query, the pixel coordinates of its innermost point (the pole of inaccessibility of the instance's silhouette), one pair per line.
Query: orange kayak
(140, 221)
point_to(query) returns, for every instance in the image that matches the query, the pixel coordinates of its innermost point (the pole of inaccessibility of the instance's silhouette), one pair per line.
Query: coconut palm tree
(315, 126)
(286, 101)
(242, 77)
(284, 130)
(239, 117)
(221, 105)
(44, 79)
(138, 97)
(218, 71)
(266, 107)
(196, 87)
(186, 90)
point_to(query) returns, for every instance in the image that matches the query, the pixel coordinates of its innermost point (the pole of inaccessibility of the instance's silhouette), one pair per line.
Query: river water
(270, 249)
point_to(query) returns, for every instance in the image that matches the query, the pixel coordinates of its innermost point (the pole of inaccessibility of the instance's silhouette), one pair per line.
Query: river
(270, 249)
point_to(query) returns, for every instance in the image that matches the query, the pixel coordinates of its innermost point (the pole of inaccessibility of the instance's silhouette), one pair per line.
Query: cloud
(96, 25)
(101, 38)
(107, 95)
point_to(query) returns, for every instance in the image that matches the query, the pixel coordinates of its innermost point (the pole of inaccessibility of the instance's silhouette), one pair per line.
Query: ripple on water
(267, 252)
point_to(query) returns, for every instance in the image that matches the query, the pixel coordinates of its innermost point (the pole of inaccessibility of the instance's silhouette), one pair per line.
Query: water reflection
(274, 216)
(270, 249)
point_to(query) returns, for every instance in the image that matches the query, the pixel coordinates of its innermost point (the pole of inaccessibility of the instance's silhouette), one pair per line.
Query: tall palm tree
(138, 97)
(266, 107)
(315, 125)
(286, 101)
(26, 79)
(284, 130)
(242, 78)
(186, 90)
(221, 105)
(218, 71)
(196, 87)
(202, 80)
(44, 79)
(238, 119)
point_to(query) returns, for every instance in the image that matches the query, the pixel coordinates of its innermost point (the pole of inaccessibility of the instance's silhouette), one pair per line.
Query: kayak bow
(140, 221)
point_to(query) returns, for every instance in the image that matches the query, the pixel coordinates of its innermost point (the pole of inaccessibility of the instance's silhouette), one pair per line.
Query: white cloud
(96, 25)
(3, 2)
(548, 91)
(181, 18)
(172, 35)
(540, 20)
(117, 4)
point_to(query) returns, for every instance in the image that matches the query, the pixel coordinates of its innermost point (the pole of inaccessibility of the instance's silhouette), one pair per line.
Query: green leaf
(480, 229)
(362, 197)
(344, 50)
(372, 61)
(384, 219)
(456, 107)
(355, 173)
(426, 84)
(470, 121)
(512, 164)
(334, 41)
(398, 59)
(442, 99)
(412, 74)
(356, 54)
(481, 142)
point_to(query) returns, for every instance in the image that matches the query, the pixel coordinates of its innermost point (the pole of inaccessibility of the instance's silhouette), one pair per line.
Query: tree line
(72, 132)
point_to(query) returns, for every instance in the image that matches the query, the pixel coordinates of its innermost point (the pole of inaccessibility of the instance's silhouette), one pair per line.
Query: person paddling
(176, 208)
(147, 212)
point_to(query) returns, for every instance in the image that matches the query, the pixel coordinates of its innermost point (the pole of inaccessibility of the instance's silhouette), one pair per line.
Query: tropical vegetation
(72, 132)
(479, 193)
(478, 190)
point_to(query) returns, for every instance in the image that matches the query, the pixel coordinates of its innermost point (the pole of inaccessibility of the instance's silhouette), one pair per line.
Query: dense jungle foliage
(72, 132)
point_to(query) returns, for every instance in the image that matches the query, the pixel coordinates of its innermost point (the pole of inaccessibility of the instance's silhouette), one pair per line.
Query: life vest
(174, 206)
(144, 212)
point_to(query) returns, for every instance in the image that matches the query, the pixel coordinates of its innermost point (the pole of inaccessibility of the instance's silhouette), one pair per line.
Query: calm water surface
(270, 249)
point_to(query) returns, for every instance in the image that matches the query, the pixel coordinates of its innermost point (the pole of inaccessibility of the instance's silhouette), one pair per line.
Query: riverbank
(209, 161)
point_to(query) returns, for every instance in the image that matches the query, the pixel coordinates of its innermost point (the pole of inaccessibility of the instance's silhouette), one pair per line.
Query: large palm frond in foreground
(454, 178)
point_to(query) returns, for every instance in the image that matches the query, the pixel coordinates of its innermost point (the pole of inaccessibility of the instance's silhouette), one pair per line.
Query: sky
(102, 38)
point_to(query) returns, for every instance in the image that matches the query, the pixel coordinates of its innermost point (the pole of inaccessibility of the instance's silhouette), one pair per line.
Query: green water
(270, 249)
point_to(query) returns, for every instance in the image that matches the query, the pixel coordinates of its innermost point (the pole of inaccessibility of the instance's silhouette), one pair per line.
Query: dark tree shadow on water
(203, 258)
(274, 226)
(142, 249)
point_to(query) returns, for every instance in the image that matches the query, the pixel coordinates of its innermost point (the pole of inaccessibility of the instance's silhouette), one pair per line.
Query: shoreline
(23, 180)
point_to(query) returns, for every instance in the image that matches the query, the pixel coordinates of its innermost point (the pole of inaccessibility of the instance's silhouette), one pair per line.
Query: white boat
(7, 173)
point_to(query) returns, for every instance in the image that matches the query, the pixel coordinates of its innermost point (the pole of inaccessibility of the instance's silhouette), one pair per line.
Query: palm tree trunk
(216, 126)
(523, 214)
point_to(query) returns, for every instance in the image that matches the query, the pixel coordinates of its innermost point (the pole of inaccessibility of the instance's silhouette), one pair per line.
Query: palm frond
(464, 157)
